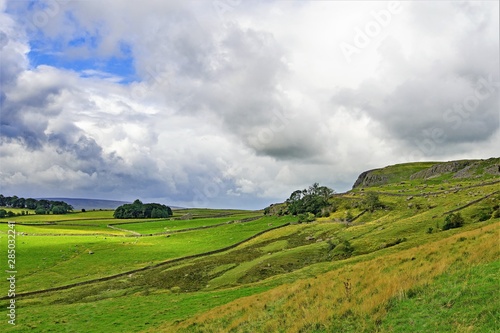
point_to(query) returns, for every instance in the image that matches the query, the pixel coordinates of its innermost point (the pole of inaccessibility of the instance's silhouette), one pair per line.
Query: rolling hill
(89, 204)
(396, 268)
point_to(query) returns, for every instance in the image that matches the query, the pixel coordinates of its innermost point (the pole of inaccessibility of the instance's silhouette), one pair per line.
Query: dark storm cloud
(27, 118)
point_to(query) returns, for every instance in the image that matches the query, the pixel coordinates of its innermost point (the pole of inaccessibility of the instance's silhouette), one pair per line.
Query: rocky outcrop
(461, 169)
(369, 178)
(440, 168)
(418, 171)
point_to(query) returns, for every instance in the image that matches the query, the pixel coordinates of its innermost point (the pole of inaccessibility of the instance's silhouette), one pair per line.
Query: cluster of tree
(41, 206)
(4, 213)
(139, 210)
(311, 200)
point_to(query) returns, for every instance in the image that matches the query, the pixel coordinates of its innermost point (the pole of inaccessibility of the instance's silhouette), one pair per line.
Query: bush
(372, 202)
(343, 250)
(454, 220)
(348, 216)
(483, 216)
(308, 217)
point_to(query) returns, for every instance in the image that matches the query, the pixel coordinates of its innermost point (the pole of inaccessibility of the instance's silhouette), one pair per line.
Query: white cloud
(241, 104)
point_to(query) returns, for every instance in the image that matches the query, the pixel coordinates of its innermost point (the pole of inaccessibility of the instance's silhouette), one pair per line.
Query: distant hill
(89, 204)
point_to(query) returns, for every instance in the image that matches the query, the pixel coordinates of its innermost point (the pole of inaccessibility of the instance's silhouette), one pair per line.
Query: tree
(372, 202)
(58, 210)
(31, 203)
(311, 200)
(43, 206)
(40, 210)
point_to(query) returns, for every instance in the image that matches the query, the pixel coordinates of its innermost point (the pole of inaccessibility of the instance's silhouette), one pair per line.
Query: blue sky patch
(79, 51)
(56, 55)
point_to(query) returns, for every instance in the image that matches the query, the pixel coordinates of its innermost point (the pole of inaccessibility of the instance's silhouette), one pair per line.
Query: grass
(173, 225)
(132, 311)
(64, 230)
(52, 261)
(324, 276)
(322, 304)
(465, 300)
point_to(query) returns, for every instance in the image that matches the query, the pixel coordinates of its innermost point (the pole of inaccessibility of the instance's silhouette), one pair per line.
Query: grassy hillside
(393, 269)
(431, 173)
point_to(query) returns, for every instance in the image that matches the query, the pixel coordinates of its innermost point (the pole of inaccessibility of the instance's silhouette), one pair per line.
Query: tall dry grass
(323, 303)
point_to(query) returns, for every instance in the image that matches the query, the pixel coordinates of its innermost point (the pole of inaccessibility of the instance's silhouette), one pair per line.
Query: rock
(409, 198)
(91, 252)
(368, 178)
(440, 168)
(310, 238)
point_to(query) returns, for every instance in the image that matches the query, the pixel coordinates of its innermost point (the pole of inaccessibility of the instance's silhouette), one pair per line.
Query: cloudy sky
(230, 103)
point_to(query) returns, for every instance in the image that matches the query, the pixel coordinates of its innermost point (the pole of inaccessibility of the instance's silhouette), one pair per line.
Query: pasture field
(165, 226)
(390, 270)
(55, 260)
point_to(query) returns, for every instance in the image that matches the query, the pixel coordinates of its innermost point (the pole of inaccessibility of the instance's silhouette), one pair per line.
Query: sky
(236, 104)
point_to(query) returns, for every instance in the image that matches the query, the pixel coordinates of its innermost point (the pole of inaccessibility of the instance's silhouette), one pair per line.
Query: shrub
(348, 216)
(372, 202)
(454, 220)
(343, 250)
(483, 216)
(307, 217)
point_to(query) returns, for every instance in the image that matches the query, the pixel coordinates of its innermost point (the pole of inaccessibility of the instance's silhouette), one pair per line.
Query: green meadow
(391, 269)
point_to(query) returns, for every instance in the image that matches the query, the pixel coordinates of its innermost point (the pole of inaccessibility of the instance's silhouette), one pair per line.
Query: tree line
(137, 209)
(42, 206)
